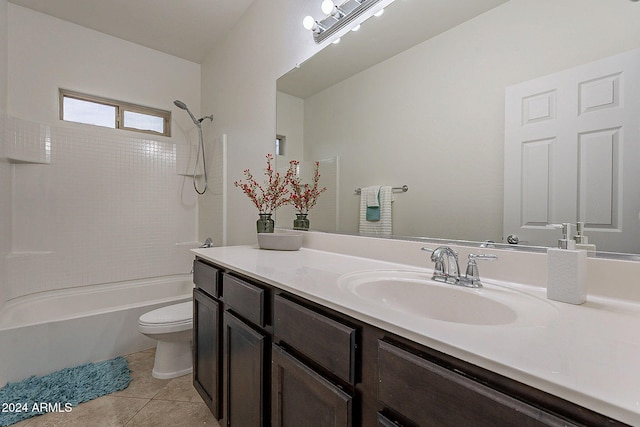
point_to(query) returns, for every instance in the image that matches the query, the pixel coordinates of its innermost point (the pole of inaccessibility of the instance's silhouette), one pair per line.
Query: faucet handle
(489, 257)
(472, 275)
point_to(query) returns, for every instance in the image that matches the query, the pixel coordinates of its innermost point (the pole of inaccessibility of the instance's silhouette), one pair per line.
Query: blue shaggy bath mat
(62, 390)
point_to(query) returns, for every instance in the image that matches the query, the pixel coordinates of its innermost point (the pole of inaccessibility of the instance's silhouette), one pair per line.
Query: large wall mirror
(417, 98)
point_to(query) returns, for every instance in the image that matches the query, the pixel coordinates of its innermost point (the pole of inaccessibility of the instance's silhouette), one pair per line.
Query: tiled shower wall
(91, 205)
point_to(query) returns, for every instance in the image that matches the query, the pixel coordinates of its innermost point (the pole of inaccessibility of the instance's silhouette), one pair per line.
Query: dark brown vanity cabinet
(264, 357)
(206, 336)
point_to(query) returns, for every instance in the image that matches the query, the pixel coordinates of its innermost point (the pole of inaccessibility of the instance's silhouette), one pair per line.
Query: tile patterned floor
(147, 402)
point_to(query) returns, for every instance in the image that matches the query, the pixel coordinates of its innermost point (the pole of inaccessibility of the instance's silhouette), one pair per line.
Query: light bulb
(308, 22)
(327, 6)
(379, 13)
(336, 41)
(356, 28)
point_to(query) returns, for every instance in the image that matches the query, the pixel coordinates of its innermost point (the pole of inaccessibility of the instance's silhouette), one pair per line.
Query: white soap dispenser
(566, 270)
(582, 241)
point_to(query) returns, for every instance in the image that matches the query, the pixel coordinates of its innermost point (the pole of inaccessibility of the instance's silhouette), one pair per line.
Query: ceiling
(184, 28)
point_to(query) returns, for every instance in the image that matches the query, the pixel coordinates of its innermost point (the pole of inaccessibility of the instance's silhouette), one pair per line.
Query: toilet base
(173, 359)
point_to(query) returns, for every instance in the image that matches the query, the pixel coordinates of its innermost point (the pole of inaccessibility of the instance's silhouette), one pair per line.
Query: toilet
(172, 327)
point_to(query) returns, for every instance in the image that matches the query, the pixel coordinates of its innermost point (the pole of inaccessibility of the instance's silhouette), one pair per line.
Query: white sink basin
(415, 294)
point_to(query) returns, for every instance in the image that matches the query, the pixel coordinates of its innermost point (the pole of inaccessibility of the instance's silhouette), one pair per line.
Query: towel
(372, 197)
(381, 227)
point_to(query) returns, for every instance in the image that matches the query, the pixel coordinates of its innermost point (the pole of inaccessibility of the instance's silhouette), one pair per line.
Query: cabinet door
(244, 370)
(429, 394)
(302, 398)
(206, 350)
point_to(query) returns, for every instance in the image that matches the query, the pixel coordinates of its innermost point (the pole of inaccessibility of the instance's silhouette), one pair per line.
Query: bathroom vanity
(281, 339)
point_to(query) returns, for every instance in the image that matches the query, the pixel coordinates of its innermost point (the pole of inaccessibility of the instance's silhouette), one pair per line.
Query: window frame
(120, 108)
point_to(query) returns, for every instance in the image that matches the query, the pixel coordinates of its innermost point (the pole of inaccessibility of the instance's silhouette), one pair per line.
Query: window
(94, 110)
(280, 143)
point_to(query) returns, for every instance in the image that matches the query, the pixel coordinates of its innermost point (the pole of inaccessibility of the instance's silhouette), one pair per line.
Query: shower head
(180, 104)
(183, 106)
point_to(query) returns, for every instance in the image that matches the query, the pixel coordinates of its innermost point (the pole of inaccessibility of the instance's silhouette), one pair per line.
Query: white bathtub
(49, 331)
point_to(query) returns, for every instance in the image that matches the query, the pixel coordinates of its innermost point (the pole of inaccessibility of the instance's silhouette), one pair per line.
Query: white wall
(94, 205)
(290, 123)
(239, 87)
(269, 41)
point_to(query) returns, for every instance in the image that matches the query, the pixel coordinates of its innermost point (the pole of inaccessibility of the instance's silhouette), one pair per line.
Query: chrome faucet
(447, 269)
(207, 243)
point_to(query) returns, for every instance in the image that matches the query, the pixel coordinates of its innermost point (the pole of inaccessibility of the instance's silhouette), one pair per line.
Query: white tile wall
(186, 155)
(107, 207)
(27, 143)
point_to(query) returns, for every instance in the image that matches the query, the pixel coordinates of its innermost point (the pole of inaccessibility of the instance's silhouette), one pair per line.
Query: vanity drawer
(429, 394)
(327, 342)
(244, 298)
(206, 278)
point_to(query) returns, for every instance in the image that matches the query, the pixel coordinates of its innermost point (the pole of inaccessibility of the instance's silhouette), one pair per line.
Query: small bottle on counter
(566, 270)
(582, 241)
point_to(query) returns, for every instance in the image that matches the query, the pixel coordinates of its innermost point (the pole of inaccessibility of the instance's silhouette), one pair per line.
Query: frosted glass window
(280, 145)
(91, 113)
(141, 121)
(94, 110)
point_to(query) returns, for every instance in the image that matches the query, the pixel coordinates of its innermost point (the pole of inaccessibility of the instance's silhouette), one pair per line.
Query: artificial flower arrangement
(278, 190)
(269, 196)
(303, 196)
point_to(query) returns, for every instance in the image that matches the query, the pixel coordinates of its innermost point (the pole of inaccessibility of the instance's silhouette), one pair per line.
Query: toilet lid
(176, 313)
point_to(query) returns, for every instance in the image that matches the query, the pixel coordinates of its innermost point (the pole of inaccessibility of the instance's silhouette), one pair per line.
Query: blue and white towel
(383, 225)
(372, 196)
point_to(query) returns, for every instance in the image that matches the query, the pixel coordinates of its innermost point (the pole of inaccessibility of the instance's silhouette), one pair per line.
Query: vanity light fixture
(312, 25)
(329, 8)
(339, 19)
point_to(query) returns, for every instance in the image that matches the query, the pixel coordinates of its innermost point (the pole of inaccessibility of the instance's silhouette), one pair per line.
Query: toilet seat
(173, 318)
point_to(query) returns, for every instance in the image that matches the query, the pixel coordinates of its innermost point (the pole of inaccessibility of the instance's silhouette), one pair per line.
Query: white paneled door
(572, 153)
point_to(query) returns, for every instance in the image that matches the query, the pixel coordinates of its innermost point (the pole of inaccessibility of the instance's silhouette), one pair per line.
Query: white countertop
(587, 354)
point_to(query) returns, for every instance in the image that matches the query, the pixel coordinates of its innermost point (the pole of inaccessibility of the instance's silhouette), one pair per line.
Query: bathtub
(52, 330)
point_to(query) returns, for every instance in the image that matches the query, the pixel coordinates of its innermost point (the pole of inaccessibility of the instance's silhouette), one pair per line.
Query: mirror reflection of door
(572, 148)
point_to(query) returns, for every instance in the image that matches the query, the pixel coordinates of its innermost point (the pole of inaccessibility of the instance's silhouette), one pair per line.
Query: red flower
(303, 196)
(269, 196)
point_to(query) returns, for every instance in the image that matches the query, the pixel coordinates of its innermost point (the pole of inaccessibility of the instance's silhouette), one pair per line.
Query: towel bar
(404, 189)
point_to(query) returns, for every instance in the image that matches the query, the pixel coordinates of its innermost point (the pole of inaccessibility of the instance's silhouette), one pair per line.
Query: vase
(265, 223)
(301, 222)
